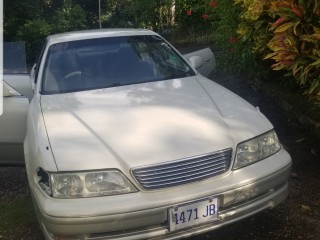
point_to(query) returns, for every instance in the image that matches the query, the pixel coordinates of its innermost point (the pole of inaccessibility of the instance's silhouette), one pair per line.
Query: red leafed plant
(233, 40)
(205, 16)
(213, 4)
(295, 45)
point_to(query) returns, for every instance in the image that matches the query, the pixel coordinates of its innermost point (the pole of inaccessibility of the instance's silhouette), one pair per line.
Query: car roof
(96, 33)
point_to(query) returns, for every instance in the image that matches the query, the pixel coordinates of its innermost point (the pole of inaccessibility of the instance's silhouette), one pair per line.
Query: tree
(33, 28)
(69, 18)
(17, 13)
(33, 33)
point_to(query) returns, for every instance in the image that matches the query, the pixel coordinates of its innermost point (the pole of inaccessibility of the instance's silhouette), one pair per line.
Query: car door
(208, 60)
(12, 126)
(17, 93)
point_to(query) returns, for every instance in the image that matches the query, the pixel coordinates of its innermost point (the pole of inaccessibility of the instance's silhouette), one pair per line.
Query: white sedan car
(126, 140)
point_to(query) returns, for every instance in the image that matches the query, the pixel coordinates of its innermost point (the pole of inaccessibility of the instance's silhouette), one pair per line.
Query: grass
(17, 214)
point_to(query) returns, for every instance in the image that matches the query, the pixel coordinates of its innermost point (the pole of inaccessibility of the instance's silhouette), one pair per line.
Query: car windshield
(109, 62)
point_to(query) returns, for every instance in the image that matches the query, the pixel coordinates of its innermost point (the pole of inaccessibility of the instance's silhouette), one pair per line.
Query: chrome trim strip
(183, 171)
(178, 172)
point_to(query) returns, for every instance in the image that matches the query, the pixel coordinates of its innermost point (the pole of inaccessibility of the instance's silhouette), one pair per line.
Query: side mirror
(32, 75)
(196, 61)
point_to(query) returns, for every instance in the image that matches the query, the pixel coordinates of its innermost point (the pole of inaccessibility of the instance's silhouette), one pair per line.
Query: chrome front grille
(183, 171)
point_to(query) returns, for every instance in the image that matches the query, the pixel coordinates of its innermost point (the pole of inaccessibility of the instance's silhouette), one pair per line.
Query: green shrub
(295, 45)
(194, 18)
(69, 19)
(286, 33)
(33, 32)
(237, 55)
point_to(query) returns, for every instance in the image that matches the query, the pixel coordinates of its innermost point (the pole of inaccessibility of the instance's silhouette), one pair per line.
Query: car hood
(143, 124)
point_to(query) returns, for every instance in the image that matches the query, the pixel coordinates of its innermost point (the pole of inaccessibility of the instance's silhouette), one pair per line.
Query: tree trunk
(172, 12)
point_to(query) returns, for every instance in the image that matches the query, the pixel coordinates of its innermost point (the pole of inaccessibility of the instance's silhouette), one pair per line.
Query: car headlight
(85, 184)
(256, 149)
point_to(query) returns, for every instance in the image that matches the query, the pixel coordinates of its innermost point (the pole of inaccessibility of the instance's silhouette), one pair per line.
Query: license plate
(195, 213)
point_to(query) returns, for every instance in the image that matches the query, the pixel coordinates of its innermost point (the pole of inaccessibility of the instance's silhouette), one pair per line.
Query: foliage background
(261, 39)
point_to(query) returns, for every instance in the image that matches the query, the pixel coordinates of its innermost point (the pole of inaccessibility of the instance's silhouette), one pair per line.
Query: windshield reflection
(110, 62)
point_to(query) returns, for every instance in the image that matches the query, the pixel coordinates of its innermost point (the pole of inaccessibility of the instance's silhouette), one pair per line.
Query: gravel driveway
(297, 218)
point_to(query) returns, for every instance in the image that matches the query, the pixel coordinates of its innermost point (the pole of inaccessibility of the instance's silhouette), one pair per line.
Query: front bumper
(236, 203)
